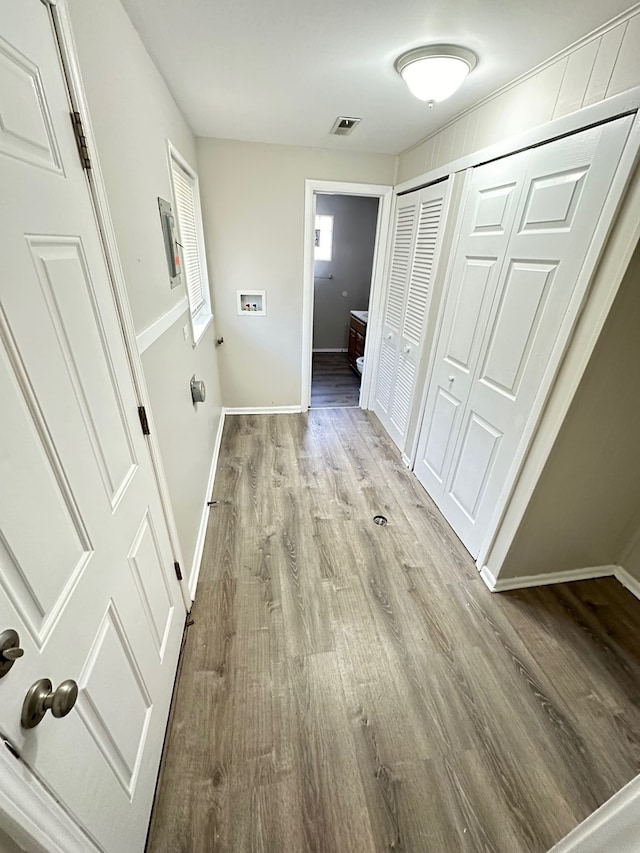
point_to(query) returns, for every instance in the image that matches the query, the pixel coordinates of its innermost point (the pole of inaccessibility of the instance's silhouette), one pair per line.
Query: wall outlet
(186, 332)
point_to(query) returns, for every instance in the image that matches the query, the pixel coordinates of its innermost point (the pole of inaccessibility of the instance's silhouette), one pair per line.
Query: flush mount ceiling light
(436, 71)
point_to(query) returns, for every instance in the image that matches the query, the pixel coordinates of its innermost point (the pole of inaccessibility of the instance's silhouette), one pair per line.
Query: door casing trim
(385, 193)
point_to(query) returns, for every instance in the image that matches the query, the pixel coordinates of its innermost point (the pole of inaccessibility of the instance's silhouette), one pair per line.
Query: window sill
(199, 326)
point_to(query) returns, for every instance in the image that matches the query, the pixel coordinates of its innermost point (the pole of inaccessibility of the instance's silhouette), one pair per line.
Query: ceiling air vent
(343, 125)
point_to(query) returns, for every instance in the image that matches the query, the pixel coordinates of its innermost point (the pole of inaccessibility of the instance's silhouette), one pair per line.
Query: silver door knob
(451, 378)
(41, 697)
(10, 650)
(406, 349)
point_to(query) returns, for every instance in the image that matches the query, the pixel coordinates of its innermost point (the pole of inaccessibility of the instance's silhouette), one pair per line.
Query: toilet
(360, 364)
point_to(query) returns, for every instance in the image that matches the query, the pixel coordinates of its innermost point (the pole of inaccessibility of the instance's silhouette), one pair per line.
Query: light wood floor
(333, 382)
(349, 687)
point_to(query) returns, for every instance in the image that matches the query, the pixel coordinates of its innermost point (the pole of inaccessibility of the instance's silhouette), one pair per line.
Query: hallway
(353, 687)
(333, 382)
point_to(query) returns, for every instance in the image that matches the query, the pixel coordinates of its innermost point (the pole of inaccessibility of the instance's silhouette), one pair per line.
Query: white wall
(354, 238)
(253, 205)
(133, 114)
(8, 845)
(596, 68)
(587, 499)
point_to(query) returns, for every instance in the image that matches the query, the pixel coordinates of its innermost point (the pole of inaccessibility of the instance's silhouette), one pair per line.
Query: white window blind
(186, 204)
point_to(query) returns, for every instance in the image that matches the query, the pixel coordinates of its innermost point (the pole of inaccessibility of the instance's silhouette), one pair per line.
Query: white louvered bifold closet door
(416, 240)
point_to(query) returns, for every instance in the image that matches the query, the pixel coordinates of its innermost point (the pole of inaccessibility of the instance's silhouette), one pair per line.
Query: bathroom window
(186, 197)
(324, 238)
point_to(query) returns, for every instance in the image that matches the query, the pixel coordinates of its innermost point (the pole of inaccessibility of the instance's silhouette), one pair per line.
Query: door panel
(439, 432)
(26, 129)
(465, 329)
(416, 243)
(522, 303)
(86, 566)
(401, 252)
(146, 563)
(67, 305)
(486, 221)
(495, 359)
(473, 467)
(492, 209)
(119, 737)
(552, 201)
(400, 261)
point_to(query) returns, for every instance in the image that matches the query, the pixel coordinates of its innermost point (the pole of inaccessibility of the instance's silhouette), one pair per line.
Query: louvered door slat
(386, 371)
(402, 394)
(400, 262)
(422, 269)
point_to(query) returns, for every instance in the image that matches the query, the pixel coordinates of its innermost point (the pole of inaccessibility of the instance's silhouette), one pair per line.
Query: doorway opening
(346, 227)
(344, 244)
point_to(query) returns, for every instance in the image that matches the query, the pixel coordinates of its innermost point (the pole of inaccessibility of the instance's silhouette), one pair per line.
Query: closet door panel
(405, 319)
(487, 218)
(536, 296)
(400, 265)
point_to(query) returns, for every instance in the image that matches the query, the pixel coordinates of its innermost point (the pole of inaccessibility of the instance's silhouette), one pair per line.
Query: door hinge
(144, 423)
(81, 140)
(176, 566)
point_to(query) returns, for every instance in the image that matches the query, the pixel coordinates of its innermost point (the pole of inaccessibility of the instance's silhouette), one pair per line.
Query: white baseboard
(628, 581)
(488, 578)
(612, 827)
(504, 584)
(331, 349)
(263, 410)
(202, 530)
(407, 460)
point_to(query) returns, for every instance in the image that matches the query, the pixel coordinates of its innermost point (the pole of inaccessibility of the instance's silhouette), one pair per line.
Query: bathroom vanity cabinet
(357, 335)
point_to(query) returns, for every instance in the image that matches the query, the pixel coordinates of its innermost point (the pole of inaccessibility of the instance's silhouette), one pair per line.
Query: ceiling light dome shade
(435, 72)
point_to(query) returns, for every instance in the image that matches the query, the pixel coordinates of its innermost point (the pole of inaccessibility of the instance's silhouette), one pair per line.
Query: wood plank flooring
(349, 687)
(333, 382)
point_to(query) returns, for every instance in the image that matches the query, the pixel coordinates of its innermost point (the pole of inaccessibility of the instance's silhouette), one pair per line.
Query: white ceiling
(282, 70)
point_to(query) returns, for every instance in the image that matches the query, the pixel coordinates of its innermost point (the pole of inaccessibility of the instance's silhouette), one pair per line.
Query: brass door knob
(41, 697)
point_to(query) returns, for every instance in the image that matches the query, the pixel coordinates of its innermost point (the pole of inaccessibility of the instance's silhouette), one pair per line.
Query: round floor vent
(380, 519)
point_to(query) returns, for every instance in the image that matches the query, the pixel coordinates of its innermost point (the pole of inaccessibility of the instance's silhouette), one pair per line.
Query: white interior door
(527, 223)
(414, 257)
(86, 569)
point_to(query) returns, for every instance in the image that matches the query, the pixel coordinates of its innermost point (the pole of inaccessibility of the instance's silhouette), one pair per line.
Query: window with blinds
(188, 219)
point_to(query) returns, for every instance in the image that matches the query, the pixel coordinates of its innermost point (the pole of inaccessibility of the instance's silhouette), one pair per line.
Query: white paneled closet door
(515, 284)
(414, 256)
